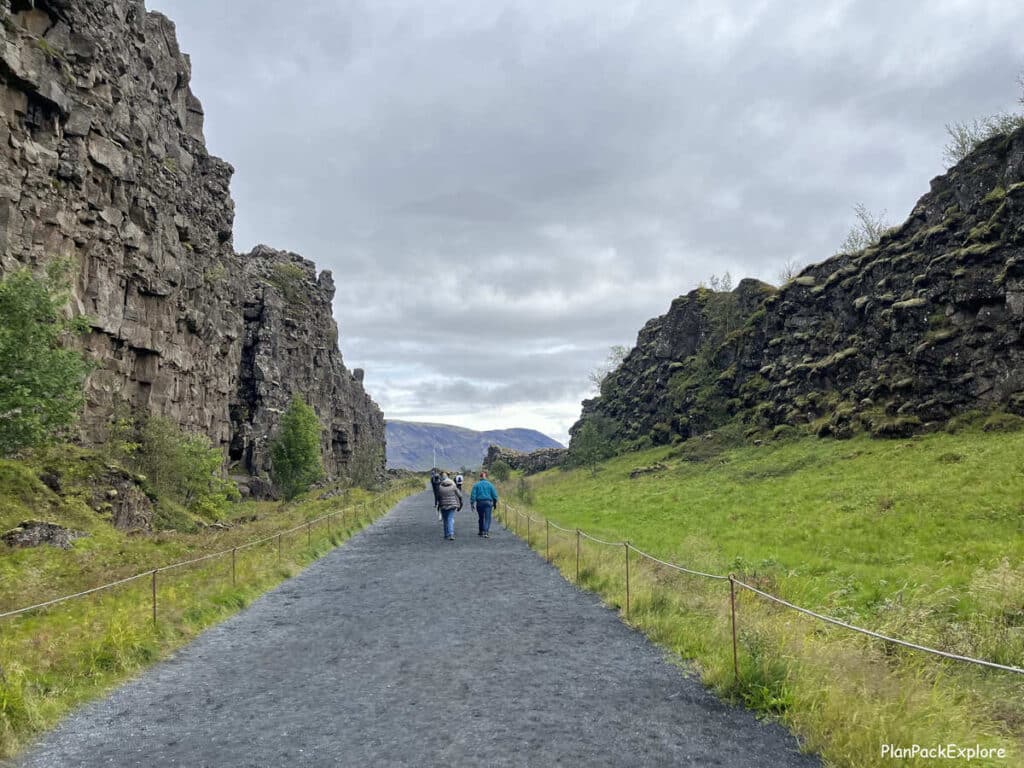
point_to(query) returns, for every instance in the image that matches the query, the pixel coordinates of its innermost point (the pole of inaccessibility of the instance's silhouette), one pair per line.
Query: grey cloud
(525, 173)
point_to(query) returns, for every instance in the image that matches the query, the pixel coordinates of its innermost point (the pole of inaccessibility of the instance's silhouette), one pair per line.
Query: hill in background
(412, 445)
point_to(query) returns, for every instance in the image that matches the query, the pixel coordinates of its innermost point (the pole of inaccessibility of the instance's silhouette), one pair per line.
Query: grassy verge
(54, 659)
(921, 539)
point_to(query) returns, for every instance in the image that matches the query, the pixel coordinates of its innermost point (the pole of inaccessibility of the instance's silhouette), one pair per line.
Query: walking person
(458, 482)
(435, 481)
(449, 502)
(484, 498)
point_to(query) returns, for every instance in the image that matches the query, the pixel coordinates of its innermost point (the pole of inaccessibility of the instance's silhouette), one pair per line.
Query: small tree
(295, 453)
(790, 268)
(721, 284)
(616, 355)
(41, 383)
(182, 467)
(866, 231)
(965, 137)
(593, 443)
(501, 471)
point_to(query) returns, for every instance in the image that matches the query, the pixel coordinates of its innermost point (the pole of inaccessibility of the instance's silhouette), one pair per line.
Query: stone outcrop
(34, 533)
(103, 163)
(290, 347)
(897, 338)
(120, 497)
(528, 463)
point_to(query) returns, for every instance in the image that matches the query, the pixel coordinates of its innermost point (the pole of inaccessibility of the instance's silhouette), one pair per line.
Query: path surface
(400, 648)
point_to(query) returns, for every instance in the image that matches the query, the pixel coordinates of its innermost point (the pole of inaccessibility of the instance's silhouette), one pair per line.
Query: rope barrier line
(828, 619)
(586, 535)
(173, 566)
(675, 567)
(870, 633)
(78, 594)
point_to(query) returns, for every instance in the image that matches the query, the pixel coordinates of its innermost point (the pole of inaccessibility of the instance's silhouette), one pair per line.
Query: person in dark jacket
(484, 498)
(450, 501)
(435, 481)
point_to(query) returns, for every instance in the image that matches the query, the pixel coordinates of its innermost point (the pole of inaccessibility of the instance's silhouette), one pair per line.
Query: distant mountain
(413, 445)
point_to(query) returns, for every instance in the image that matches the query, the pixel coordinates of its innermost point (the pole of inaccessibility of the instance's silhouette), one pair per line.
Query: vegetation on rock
(41, 382)
(295, 452)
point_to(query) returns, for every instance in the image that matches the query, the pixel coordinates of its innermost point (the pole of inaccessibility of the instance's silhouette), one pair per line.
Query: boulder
(34, 533)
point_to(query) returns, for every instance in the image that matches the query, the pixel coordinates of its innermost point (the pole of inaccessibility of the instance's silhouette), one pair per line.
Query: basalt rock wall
(898, 338)
(290, 346)
(103, 163)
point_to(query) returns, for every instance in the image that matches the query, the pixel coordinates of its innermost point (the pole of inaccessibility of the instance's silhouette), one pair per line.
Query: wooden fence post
(577, 555)
(732, 606)
(627, 579)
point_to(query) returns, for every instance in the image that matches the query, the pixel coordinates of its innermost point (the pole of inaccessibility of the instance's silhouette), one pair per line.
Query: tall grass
(920, 539)
(54, 659)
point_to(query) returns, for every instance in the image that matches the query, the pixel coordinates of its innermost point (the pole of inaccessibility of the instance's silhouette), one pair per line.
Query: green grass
(54, 659)
(920, 538)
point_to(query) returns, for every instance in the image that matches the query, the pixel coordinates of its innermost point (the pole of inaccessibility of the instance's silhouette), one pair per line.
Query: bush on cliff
(41, 383)
(295, 453)
(184, 471)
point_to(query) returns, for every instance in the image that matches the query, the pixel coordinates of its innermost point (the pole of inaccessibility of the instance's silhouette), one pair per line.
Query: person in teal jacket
(484, 498)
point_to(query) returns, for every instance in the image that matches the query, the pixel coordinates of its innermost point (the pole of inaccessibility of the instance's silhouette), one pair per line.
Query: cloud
(504, 190)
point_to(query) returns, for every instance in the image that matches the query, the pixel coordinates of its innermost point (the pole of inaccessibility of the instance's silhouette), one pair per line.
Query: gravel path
(403, 649)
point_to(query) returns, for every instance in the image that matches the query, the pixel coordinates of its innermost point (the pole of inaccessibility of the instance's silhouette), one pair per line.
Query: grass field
(922, 539)
(54, 659)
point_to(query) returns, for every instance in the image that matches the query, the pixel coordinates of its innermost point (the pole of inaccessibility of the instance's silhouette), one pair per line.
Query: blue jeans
(448, 515)
(483, 512)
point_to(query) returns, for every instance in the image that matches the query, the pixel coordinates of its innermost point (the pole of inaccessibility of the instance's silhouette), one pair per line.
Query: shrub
(593, 442)
(295, 453)
(41, 384)
(866, 231)
(183, 469)
(290, 280)
(964, 138)
(501, 471)
(617, 354)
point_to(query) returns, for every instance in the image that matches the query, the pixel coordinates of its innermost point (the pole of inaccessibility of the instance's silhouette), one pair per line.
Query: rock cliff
(103, 163)
(290, 345)
(900, 337)
(528, 463)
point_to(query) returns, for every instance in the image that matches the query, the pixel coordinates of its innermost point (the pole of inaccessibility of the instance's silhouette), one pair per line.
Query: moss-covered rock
(926, 324)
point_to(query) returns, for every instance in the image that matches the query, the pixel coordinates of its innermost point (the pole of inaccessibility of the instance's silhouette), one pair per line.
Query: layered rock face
(528, 463)
(103, 163)
(927, 324)
(290, 347)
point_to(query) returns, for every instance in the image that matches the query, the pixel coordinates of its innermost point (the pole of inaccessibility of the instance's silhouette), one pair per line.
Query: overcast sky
(504, 190)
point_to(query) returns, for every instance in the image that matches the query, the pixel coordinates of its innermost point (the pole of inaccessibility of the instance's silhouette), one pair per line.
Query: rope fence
(152, 573)
(734, 584)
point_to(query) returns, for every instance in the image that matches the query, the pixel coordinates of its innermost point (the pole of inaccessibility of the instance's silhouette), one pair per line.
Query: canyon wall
(103, 164)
